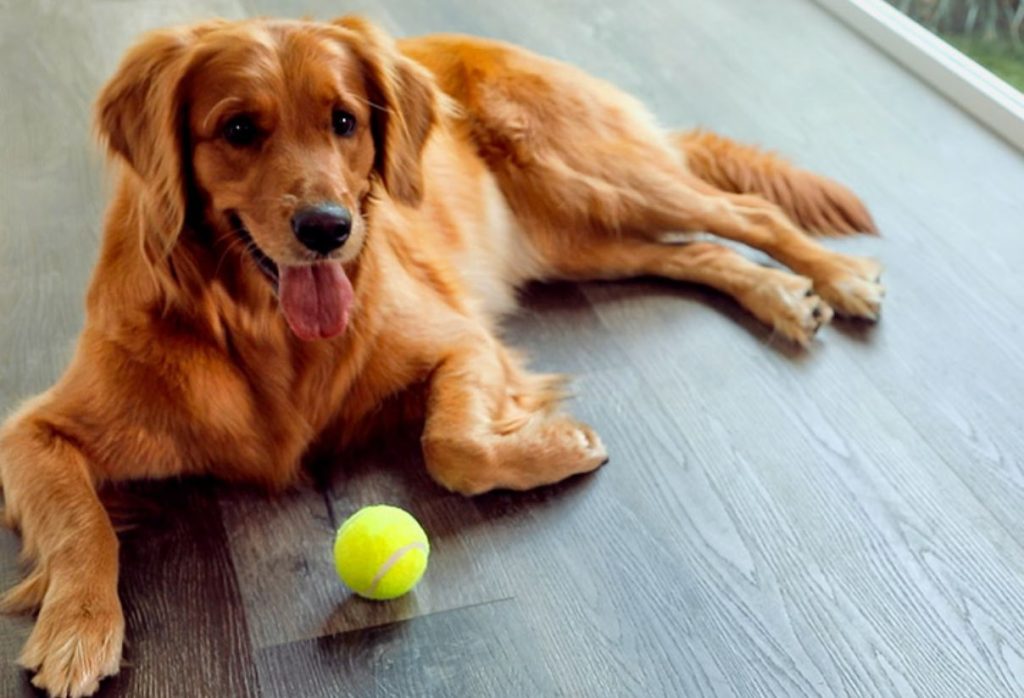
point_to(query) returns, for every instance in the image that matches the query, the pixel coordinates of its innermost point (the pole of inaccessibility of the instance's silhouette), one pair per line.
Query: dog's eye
(344, 123)
(240, 131)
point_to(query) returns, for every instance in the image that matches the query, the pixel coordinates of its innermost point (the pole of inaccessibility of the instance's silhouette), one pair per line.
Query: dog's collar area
(265, 263)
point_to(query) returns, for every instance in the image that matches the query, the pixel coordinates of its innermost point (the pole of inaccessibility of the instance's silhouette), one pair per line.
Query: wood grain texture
(185, 623)
(14, 630)
(281, 551)
(845, 521)
(480, 650)
(863, 504)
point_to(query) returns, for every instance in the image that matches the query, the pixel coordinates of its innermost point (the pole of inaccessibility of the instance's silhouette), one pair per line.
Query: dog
(313, 218)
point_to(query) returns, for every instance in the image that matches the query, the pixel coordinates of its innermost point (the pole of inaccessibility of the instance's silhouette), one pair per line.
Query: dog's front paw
(578, 447)
(76, 642)
(543, 451)
(853, 287)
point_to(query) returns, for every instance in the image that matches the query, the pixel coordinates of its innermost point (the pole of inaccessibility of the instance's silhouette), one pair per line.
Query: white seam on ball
(391, 562)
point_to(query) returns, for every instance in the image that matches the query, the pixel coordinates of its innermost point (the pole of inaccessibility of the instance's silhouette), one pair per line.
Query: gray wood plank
(625, 598)
(281, 549)
(559, 321)
(185, 620)
(480, 651)
(830, 465)
(14, 630)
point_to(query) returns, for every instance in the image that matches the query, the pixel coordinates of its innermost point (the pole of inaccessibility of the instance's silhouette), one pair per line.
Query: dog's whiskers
(229, 246)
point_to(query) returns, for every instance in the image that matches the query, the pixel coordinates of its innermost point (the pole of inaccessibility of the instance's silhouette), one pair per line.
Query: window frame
(989, 99)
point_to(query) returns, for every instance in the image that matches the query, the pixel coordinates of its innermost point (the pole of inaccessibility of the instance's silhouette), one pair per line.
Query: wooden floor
(843, 521)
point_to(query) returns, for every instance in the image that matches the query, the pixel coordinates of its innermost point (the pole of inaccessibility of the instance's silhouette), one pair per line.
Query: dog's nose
(322, 228)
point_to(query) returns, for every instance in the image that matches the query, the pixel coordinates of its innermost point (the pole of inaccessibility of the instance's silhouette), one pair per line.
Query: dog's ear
(403, 103)
(139, 116)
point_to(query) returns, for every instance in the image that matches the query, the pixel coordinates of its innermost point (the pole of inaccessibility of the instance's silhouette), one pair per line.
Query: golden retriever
(311, 218)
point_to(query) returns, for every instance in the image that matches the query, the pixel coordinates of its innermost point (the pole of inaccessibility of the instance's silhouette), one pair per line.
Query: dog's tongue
(315, 299)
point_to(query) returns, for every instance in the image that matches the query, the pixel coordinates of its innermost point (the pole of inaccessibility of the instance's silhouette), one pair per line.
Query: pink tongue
(315, 299)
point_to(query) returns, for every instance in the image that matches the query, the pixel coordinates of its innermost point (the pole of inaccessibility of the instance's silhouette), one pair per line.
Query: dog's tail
(818, 204)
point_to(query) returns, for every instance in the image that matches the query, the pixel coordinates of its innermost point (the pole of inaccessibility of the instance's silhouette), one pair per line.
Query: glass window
(989, 31)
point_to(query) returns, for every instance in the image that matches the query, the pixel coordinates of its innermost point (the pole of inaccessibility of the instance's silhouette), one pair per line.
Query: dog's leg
(640, 191)
(849, 284)
(68, 537)
(492, 425)
(781, 300)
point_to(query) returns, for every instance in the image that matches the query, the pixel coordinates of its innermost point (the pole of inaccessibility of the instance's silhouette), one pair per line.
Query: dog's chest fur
(499, 258)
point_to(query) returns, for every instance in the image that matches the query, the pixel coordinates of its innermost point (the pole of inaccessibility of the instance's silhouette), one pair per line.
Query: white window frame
(992, 101)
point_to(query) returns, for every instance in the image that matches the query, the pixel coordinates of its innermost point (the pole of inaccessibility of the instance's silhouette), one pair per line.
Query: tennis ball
(381, 552)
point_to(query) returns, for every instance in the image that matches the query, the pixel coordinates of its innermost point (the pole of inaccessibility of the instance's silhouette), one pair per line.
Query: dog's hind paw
(855, 289)
(788, 304)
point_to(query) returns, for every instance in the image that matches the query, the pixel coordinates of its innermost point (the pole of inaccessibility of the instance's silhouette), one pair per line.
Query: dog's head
(272, 135)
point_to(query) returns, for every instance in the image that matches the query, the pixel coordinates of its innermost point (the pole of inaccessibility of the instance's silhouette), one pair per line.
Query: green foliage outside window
(989, 31)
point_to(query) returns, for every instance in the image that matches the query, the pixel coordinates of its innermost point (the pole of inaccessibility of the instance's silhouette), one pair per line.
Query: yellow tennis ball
(381, 552)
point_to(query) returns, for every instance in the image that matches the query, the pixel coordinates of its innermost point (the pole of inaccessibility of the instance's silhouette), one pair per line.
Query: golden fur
(475, 167)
